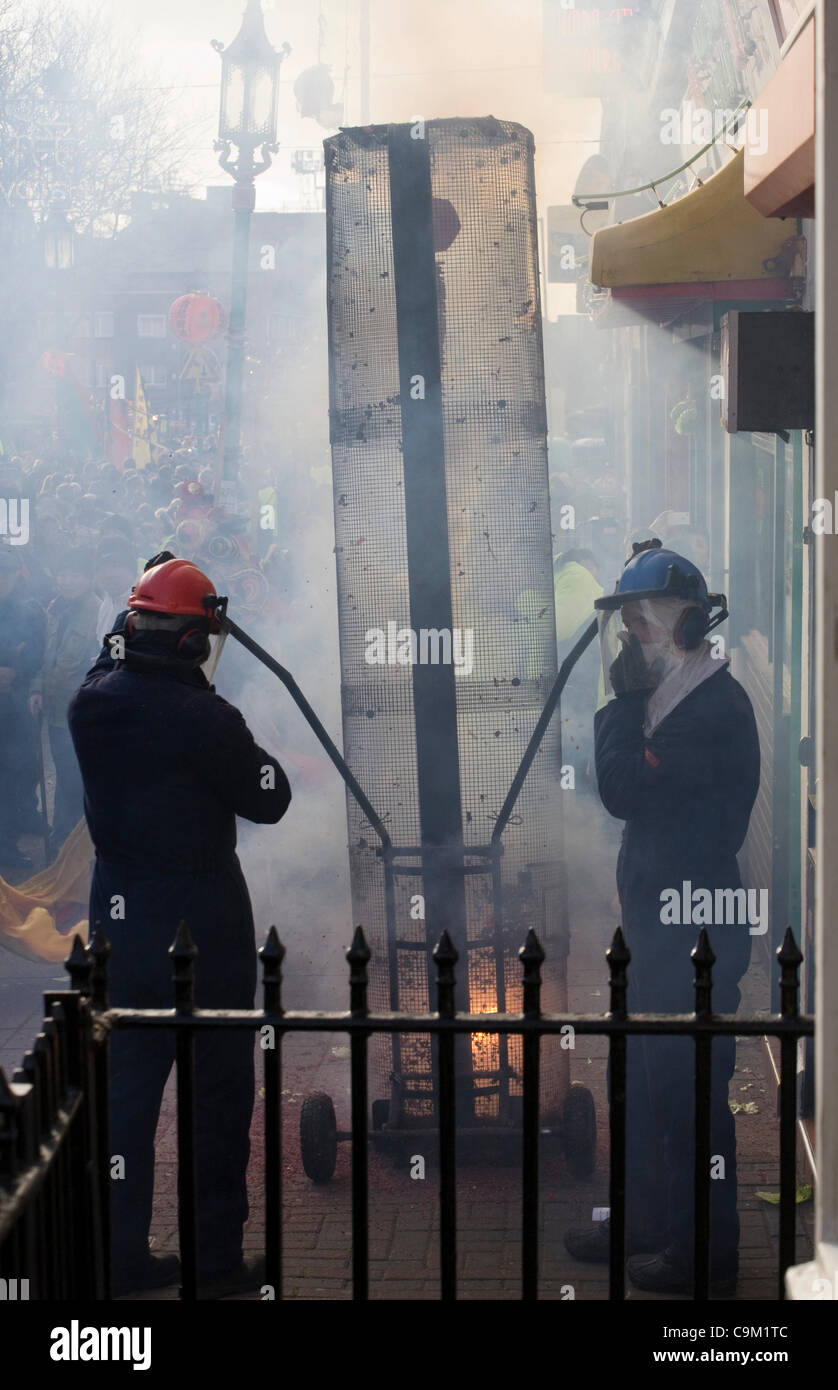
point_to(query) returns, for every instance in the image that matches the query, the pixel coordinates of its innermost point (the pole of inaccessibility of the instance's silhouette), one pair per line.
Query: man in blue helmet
(677, 759)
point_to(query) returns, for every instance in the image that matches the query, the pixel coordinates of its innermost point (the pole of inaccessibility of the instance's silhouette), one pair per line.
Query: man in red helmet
(167, 766)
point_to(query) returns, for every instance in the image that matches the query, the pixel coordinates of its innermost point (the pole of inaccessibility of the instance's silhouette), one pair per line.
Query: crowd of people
(78, 534)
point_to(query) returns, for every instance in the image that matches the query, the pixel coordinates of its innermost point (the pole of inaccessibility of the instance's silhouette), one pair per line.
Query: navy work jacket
(686, 795)
(167, 766)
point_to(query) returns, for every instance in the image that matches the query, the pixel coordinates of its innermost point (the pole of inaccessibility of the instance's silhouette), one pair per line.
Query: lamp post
(57, 239)
(58, 245)
(247, 119)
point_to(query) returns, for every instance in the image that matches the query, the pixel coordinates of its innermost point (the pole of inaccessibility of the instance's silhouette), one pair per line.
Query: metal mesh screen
(499, 555)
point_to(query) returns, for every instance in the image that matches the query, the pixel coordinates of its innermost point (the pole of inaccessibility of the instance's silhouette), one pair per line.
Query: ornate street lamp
(247, 119)
(57, 239)
(58, 248)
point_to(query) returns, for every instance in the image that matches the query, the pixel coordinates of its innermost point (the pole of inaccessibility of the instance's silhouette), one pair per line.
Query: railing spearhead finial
(618, 956)
(183, 952)
(445, 957)
(358, 956)
(272, 954)
(791, 958)
(703, 958)
(99, 949)
(532, 957)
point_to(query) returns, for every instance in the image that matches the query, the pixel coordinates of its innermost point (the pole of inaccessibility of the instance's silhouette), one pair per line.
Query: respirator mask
(645, 640)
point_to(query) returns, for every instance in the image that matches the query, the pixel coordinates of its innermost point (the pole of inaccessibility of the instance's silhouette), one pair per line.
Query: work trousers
(660, 1125)
(216, 908)
(140, 1065)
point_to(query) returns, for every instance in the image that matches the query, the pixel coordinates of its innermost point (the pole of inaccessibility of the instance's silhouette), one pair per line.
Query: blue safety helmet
(653, 572)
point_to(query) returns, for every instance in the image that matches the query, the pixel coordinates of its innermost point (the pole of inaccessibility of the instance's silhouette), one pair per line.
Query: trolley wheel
(579, 1130)
(380, 1113)
(318, 1137)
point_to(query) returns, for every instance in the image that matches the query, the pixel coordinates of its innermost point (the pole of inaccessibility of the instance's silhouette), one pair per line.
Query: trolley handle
(227, 625)
(541, 728)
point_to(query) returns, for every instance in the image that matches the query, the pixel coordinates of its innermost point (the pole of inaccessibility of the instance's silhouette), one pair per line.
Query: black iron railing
(54, 1229)
(53, 1131)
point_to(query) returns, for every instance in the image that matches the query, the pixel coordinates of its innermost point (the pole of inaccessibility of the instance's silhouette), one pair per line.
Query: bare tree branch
(75, 126)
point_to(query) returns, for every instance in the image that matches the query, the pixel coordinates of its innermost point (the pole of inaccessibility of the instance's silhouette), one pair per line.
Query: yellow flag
(140, 444)
(39, 918)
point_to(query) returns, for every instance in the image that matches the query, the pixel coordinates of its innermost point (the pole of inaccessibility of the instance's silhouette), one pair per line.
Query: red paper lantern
(445, 222)
(54, 362)
(196, 318)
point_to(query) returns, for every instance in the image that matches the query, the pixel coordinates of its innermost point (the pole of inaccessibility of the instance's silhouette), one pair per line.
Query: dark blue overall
(167, 766)
(686, 795)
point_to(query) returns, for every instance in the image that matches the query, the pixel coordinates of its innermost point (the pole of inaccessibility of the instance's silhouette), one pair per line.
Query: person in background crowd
(21, 654)
(677, 533)
(70, 642)
(117, 533)
(66, 495)
(692, 543)
(108, 486)
(163, 523)
(38, 563)
(146, 529)
(86, 516)
(134, 488)
(115, 574)
(160, 486)
(576, 585)
(278, 568)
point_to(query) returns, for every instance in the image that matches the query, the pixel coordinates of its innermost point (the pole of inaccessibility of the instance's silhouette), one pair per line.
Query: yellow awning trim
(711, 234)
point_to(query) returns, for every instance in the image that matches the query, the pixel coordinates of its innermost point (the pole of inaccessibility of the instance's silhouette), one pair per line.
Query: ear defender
(194, 645)
(691, 629)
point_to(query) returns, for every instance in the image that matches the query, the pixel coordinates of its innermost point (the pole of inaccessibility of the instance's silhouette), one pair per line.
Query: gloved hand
(158, 560)
(629, 674)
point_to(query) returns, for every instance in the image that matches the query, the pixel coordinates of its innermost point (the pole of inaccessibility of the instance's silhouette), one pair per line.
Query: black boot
(667, 1272)
(246, 1277)
(593, 1243)
(157, 1272)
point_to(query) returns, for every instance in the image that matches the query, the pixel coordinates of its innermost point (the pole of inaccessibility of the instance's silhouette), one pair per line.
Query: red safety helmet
(176, 587)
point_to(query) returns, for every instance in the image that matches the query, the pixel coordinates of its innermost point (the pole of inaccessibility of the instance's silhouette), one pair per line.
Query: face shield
(216, 640)
(654, 622)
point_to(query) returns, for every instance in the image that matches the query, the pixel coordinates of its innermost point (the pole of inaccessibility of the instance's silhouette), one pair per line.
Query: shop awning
(780, 166)
(710, 244)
